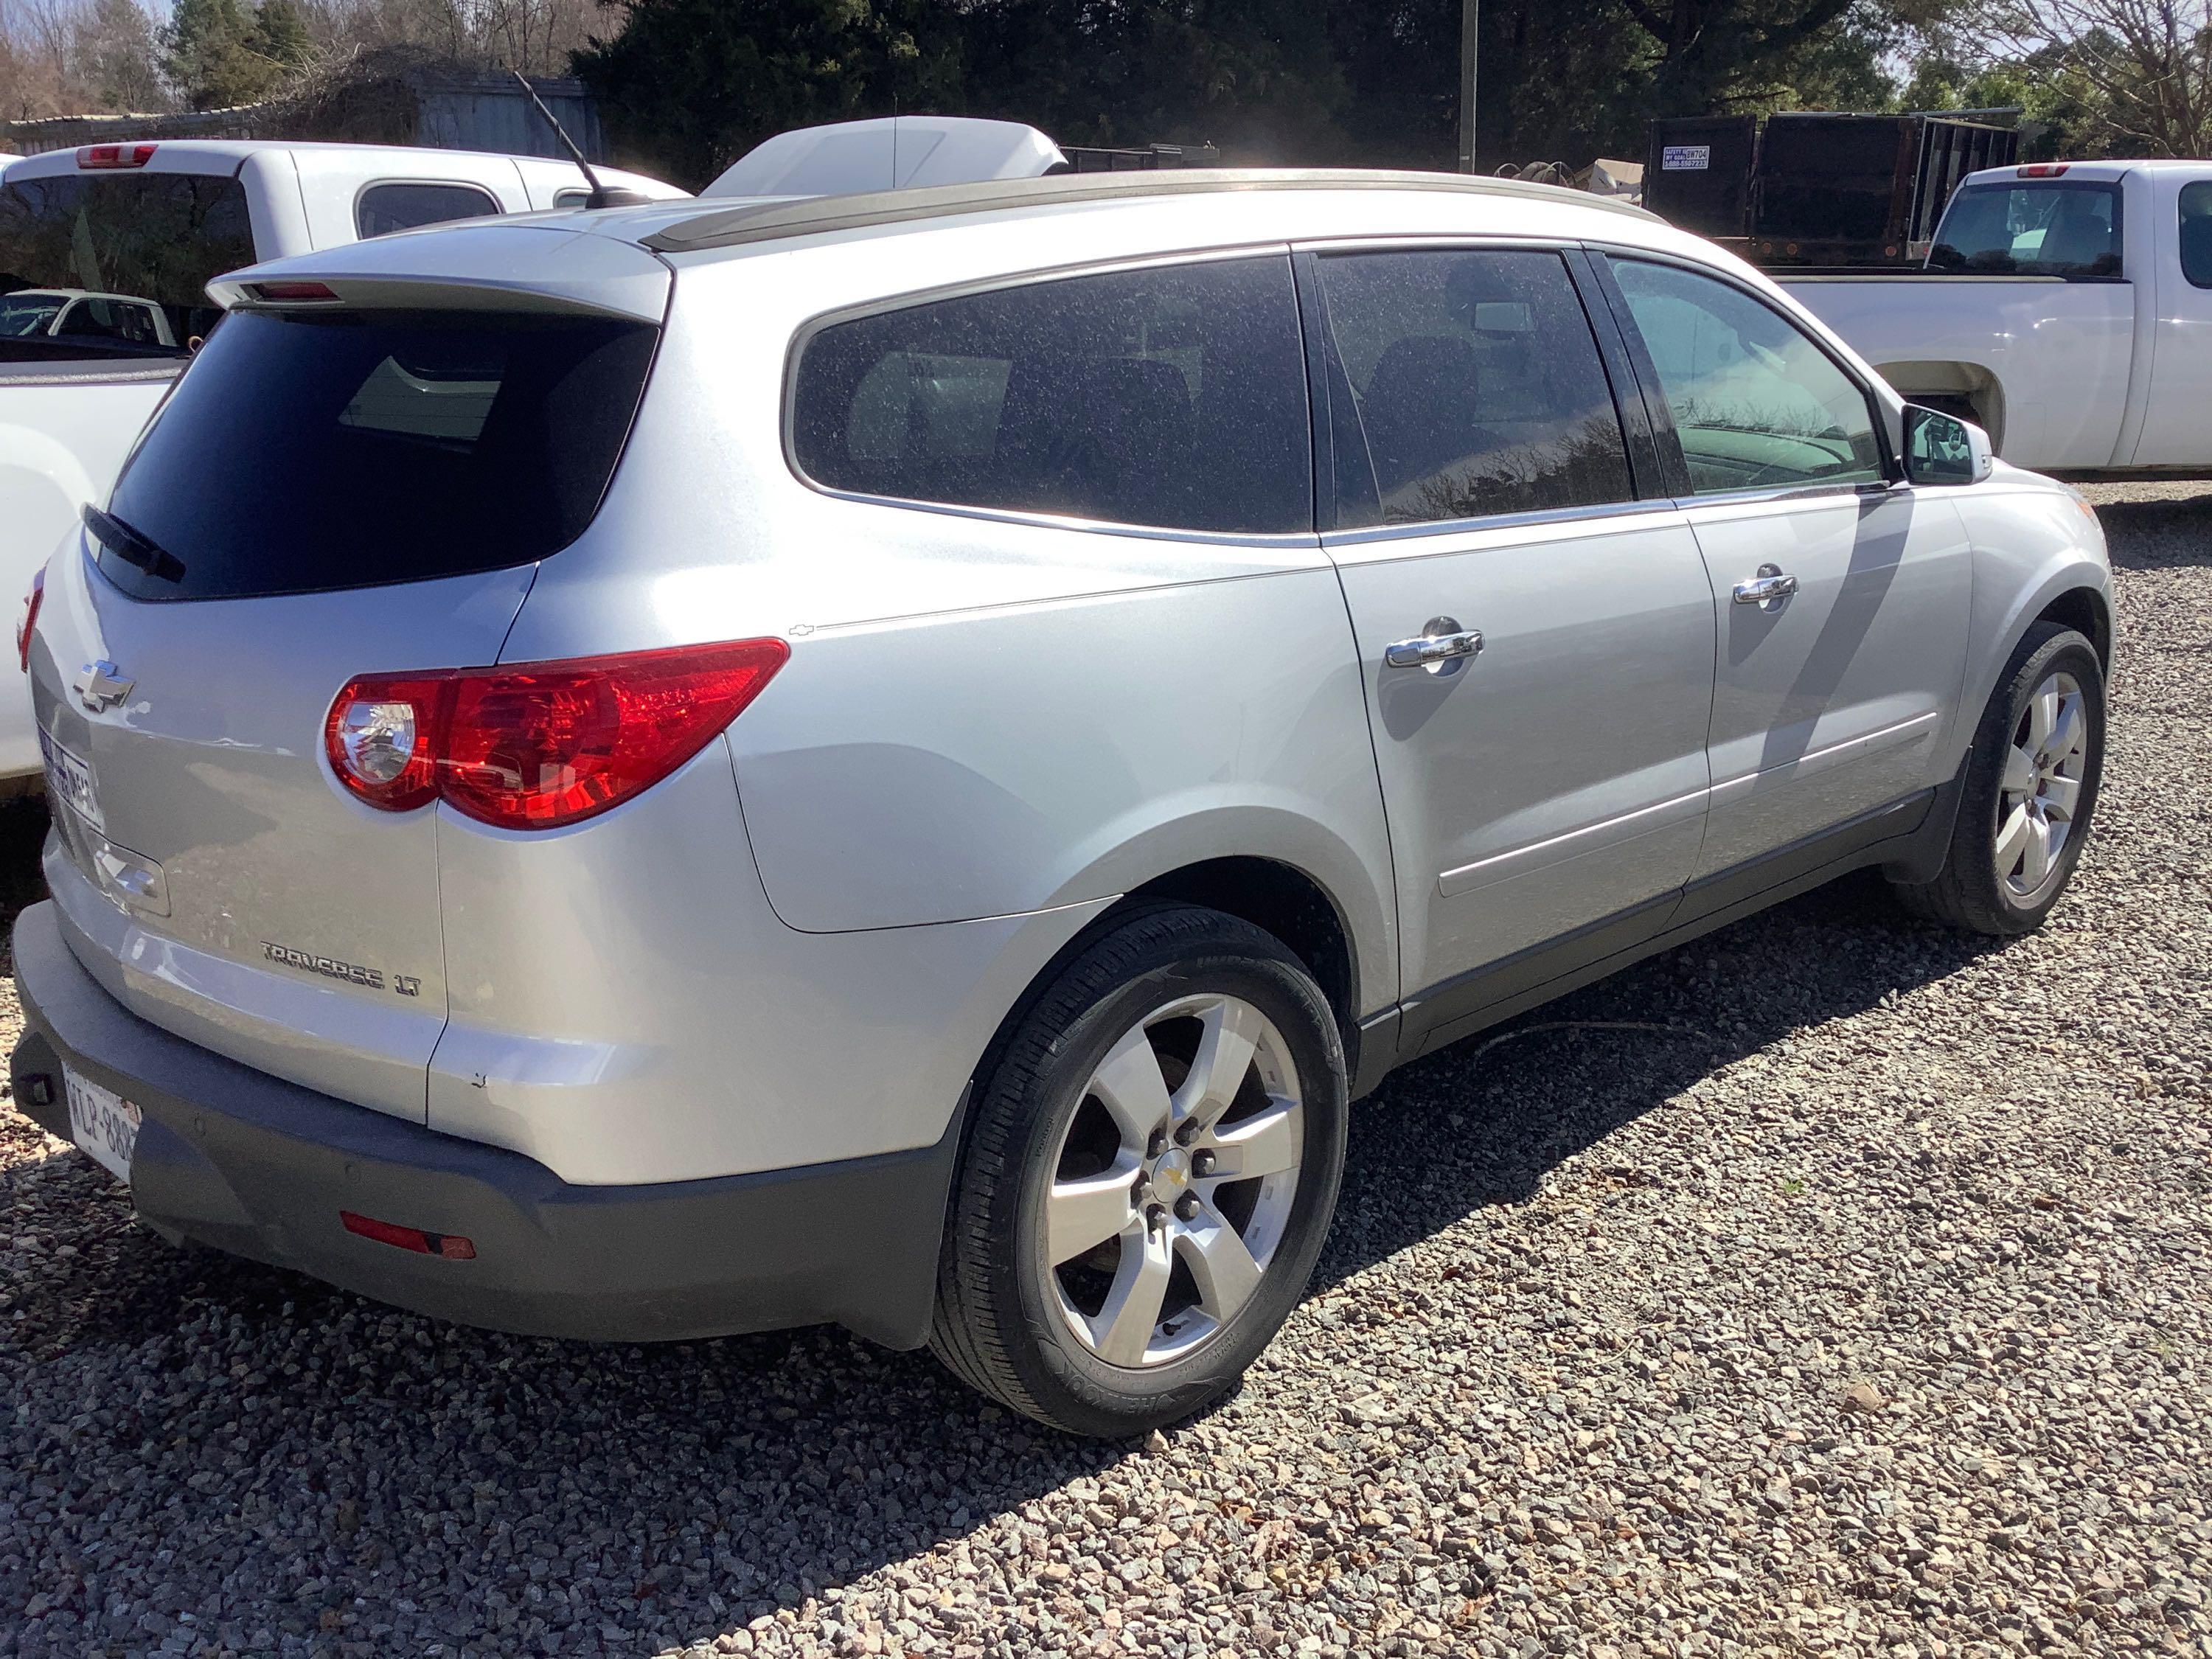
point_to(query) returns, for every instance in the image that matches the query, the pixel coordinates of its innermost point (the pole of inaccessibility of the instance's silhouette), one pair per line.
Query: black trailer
(1863, 190)
(1818, 189)
(1697, 173)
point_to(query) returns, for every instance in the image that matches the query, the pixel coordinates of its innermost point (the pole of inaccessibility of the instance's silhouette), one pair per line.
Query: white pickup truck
(2067, 308)
(105, 256)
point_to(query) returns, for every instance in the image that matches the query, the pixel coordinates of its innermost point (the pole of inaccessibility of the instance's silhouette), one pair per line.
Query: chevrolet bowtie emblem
(101, 686)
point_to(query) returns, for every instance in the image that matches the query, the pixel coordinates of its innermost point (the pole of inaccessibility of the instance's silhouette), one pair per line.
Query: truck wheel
(1150, 1170)
(2031, 787)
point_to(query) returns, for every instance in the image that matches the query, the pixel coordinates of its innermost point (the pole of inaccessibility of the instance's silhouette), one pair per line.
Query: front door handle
(1769, 587)
(1441, 650)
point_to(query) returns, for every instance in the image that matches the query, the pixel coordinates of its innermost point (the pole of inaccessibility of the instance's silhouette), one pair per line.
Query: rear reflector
(114, 155)
(2044, 170)
(452, 1245)
(28, 624)
(289, 293)
(537, 745)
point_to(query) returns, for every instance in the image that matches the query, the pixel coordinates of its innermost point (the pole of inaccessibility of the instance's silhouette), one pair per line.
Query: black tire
(998, 1323)
(1970, 892)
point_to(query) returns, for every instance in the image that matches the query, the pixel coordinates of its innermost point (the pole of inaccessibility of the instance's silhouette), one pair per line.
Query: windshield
(152, 238)
(2045, 227)
(352, 449)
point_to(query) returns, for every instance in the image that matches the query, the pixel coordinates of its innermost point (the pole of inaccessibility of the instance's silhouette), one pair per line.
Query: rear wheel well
(1283, 900)
(2082, 609)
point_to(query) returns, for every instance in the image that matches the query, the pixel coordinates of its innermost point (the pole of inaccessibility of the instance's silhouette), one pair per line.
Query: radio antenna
(601, 196)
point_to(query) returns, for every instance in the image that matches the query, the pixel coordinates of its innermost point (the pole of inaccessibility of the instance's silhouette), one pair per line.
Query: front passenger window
(1756, 404)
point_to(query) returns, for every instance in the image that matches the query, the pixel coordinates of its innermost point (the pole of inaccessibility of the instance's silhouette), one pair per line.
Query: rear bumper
(233, 1158)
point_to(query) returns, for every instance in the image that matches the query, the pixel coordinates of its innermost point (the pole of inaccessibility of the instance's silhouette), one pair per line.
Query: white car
(2067, 308)
(901, 758)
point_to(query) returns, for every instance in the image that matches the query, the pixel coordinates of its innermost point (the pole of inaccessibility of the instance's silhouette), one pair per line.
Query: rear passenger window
(2196, 232)
(384, 208)
(1476, 385)
(1173, 397)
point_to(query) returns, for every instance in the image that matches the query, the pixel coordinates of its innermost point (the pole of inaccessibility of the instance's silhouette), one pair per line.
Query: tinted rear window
(156, 237)
(345, 451)
(1172, 396)
(2045, 229)
(2196, 232)
(384, 208)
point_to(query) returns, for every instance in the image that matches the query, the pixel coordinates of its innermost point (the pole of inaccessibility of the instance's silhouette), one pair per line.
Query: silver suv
(901, 759)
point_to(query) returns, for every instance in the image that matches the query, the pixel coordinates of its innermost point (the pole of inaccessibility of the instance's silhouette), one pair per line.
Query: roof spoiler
(896, 152)
(489, 266)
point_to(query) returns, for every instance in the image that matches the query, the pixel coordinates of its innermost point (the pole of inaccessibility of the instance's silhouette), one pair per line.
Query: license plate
(69, 778)
(102, 1123)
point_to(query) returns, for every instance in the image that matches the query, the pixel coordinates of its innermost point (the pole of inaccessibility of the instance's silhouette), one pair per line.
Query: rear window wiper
(133, 549)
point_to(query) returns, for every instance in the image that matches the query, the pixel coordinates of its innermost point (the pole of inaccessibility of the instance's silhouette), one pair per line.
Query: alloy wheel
(2041, 793)
(1173, 1181)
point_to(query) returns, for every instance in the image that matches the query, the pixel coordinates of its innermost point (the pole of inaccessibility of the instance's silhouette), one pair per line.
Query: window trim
(1646, 458)
(787, 414)
(361, 197)
(1654, 391)
(2181, 218)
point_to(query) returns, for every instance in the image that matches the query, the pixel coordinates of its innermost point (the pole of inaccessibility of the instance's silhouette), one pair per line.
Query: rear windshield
(2048, 228)
(347, 450)
(115, 264)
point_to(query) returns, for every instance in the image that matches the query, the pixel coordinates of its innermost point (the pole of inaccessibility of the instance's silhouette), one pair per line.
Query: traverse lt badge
(99, 686)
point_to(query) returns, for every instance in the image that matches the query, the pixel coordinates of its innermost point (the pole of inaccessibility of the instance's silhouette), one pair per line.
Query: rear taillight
(28, 624)
(99, 157)
(539, 745)
(2044, 170)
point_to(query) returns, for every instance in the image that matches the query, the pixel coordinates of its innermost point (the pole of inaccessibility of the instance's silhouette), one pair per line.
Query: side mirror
(1942, 449)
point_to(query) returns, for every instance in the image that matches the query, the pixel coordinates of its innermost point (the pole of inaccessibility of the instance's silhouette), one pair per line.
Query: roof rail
(766, 222)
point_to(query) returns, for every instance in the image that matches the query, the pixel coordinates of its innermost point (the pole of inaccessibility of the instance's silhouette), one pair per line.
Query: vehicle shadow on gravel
(629, 1494)
(23, 834)
(1484, 1121)
(2158, 534)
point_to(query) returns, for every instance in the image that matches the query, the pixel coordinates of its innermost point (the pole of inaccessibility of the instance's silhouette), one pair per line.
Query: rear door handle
(1767, 587)
(1446, 643)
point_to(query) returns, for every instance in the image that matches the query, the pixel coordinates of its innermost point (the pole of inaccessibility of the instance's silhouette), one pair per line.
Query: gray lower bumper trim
(248, 1163)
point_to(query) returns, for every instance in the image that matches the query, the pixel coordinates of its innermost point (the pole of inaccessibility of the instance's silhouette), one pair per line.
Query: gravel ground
(1834, 1285)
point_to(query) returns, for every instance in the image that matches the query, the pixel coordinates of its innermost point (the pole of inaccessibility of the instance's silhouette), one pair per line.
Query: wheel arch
(2084, 609)
(1283, 897)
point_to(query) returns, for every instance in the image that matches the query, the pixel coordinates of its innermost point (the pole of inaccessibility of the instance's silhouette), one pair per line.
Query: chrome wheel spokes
(1173, 1181)
(2041, 795)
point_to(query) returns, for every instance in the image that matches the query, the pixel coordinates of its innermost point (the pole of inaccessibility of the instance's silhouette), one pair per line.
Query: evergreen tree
(279, 35)
(208, 54)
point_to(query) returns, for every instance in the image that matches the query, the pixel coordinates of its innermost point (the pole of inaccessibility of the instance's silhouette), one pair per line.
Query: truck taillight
(535, 745)
(101, 156)
(2044, 170)
(27, 622)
